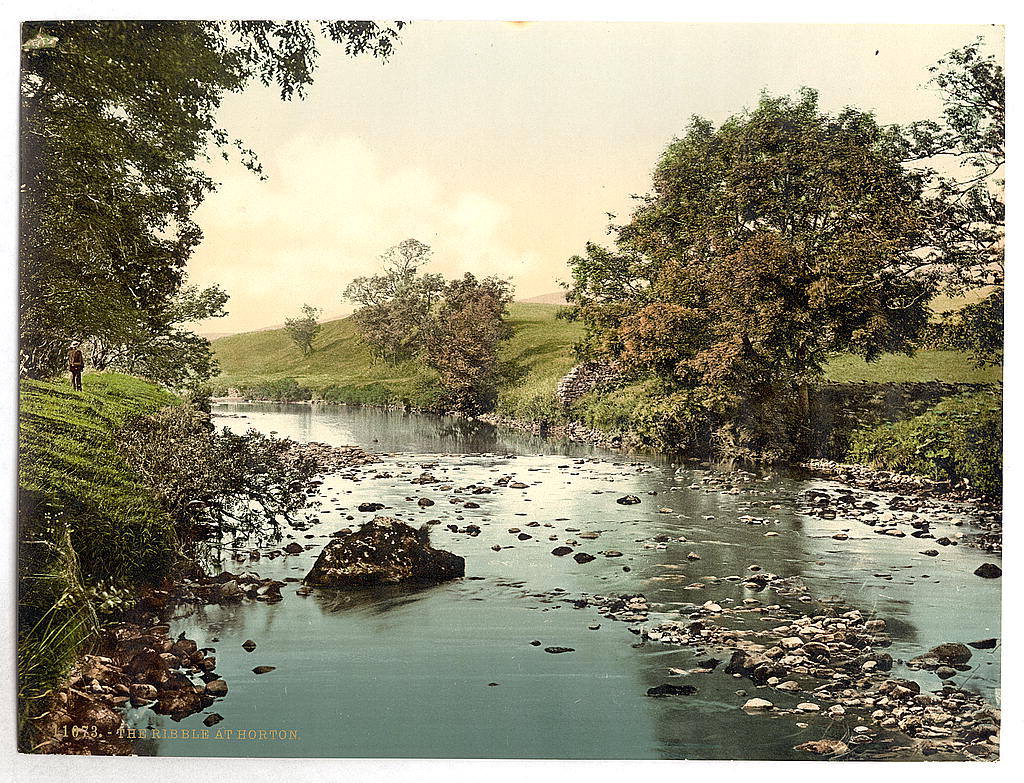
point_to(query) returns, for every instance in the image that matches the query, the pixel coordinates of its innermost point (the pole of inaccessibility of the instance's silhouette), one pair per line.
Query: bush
(531, 405)
(960, 438)
(209, 482)
(280, 390)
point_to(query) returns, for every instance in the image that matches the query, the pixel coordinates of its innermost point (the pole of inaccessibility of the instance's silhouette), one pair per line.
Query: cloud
(329, 209)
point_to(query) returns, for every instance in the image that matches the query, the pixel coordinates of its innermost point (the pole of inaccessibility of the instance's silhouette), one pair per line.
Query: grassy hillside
(540, 352)
(923, 366)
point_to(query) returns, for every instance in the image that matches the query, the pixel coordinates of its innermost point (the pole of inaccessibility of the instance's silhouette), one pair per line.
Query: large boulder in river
(384, 551)
(949, 653)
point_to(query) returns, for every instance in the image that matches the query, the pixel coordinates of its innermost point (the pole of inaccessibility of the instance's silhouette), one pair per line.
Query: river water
(449, 671)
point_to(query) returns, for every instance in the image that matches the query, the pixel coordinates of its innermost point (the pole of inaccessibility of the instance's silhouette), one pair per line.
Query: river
(449, 671)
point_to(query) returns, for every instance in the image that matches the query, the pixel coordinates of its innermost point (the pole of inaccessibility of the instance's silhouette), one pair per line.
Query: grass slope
(71, 467)
(923, 366)
(83, 517)
(540, 352)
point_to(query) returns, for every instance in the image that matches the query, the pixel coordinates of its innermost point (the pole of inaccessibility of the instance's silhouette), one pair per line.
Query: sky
(504, 146)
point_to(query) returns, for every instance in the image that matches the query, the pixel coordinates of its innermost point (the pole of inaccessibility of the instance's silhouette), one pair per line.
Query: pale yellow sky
(504, 146)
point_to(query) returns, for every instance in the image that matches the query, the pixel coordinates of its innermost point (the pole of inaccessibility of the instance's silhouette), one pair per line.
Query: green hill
(341, 368)
(539, 353)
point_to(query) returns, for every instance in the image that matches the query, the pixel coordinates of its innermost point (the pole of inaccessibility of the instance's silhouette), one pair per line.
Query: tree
(114, 117)
(966, 213)
(303, 330)
(396, 305)
(161, 348)
(463, 338)
(765, 246)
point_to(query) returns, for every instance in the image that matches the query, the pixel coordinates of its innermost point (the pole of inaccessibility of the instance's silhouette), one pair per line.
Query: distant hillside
(540, 349)
(556, 297)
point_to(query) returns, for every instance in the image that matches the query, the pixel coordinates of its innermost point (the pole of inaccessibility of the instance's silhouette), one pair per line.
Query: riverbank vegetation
(119, 485)
(86, 525)
(960, 438)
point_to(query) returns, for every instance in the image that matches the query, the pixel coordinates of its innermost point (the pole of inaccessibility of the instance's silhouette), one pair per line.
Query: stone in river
(945, 672)
(385, 551)
(535, 643)
(263, 669)
(589, 536)
(612, 553)
(424, 502)
(248, 645)
(517, 485)
(931, 552)
(950, 653)
(556, 650)
(984, 644)
(628, 500)
(559, 551)
(217, 688)
(582, 557)
(524, 536)
(840, 537)
(212, 718)
(293, 548)
(366, 507)
(757, 705)
(671, 690)
(808, 706)
(709, 663)
(824, 747)
(988, 571)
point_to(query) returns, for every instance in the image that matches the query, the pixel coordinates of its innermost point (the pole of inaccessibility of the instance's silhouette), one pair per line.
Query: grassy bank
(87, 526)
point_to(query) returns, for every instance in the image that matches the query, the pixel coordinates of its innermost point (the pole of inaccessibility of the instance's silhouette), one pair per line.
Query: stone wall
(583, 378)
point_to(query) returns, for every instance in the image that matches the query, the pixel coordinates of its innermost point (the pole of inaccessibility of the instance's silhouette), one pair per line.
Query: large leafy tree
(115, 118)
(304, 329)
(766, 245)
(462, 342)
(963, 159)
(396, 304)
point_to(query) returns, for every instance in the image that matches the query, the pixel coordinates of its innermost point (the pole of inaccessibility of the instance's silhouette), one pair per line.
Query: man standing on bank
(76, 363)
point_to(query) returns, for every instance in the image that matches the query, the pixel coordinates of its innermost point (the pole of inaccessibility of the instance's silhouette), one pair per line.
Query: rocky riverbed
(722, 570)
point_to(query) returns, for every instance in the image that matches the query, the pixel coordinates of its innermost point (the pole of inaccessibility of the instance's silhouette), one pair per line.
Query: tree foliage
(462, 342)
(965, 209)
(115, 117)
(162, 349)
(781, 237)
(454, 327)
(396, 305)
(304, 329)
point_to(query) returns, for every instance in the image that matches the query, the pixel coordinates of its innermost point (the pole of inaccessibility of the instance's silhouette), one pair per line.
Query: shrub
(280, 390)
(350, 394)
(210, 482)
(958, 439)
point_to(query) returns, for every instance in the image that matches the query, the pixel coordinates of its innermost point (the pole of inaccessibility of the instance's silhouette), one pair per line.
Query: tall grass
(83, 518)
